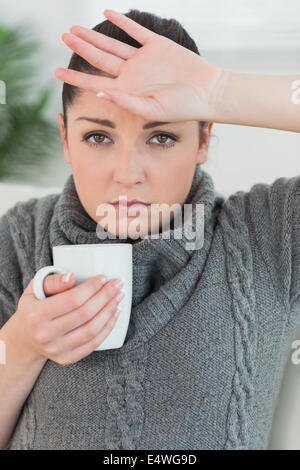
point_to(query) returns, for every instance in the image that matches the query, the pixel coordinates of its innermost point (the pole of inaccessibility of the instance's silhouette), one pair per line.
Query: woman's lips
(131, 209)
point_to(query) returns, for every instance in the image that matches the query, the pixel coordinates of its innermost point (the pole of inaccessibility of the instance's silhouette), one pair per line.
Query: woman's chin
(132, 227)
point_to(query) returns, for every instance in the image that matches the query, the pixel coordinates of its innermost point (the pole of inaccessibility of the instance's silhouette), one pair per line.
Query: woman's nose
(128, 169)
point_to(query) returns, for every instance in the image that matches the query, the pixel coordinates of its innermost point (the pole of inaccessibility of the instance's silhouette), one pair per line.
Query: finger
(147, 107)
(103, 42)
(135, 30)
(59, 304)
(53, 284)
(79, 353)
(89, 330)
(83, 80)
(68, 322)
(99, 59)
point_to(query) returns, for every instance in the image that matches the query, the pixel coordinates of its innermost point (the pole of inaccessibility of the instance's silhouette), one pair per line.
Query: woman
(210, 328)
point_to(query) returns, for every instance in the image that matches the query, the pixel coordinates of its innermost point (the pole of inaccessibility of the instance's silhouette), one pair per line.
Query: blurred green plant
(27, 137)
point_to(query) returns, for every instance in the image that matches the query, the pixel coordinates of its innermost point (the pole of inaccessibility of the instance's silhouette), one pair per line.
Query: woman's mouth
(130, 208)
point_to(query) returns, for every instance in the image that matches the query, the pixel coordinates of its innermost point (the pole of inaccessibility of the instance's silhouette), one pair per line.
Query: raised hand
(160, 81)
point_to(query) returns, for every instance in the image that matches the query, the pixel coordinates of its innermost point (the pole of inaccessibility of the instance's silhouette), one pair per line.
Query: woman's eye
(165, 136)
(98, 139)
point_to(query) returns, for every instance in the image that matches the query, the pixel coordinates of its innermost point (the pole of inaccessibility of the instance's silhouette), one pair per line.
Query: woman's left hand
(161, 81)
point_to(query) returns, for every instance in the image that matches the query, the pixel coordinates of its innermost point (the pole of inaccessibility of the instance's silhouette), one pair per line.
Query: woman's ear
(63, 137)
(203, 149)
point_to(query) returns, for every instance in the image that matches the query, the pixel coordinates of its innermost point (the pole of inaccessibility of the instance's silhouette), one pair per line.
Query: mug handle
(40, 275)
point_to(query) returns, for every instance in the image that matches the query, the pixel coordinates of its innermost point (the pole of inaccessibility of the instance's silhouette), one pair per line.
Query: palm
(160, 80)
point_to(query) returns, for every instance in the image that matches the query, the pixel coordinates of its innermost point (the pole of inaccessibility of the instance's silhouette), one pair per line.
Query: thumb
(53, 284)
(140, 105)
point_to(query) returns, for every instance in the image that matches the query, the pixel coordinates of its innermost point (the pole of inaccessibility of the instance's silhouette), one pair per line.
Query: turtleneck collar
(158, 263)
(78, 227)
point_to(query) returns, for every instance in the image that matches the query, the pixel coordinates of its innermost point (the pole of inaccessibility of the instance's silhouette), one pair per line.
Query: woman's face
(153, 164)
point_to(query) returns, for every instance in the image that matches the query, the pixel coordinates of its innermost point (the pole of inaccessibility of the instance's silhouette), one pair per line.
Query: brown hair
(169, 28)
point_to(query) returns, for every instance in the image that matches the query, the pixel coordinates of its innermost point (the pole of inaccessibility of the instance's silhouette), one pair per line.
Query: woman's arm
(271, 101)
(17, 377)
(195, 90)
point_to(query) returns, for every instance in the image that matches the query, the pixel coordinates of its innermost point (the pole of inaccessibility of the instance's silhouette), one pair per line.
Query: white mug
(89, 260)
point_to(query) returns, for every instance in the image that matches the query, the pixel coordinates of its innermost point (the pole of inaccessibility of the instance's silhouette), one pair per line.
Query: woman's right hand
(69, 323)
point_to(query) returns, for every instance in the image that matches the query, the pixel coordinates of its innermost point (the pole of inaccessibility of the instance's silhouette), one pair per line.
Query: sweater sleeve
(274, 212)
(11, 286)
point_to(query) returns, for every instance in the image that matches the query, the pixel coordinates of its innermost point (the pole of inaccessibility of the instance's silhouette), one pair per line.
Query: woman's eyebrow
(106, 122)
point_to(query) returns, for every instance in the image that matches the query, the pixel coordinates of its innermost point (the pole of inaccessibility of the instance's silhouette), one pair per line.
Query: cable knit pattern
(209, 331)
(295, 290)
(124, 421)
(239, 271)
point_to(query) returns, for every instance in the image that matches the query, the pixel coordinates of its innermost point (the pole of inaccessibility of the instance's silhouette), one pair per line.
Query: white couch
(285, 431)
(12, 193)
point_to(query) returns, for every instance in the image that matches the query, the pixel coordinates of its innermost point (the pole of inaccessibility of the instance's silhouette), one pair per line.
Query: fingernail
(59, 70)
(102, 278)
(119, 283)
(101, 94)
(113, 12)
(66, 277)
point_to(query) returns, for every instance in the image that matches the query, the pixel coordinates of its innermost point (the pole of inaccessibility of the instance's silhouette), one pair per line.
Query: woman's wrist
(16, 351)
(219, 100)
(256, 100)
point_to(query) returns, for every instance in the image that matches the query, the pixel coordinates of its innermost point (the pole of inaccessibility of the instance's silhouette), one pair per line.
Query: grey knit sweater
(209, 335)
